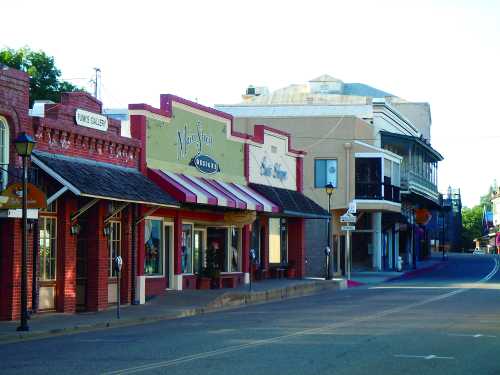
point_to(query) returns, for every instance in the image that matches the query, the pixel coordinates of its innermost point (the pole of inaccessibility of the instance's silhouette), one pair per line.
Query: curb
(226, 301)
(419, 271)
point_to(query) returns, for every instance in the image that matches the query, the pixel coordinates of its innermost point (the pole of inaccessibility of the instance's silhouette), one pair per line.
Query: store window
(187, 248)
(274, 241)
(114, 245)
(154, 252)
(4, 152)
(278, 241)
(48, 251)
(325, 172)
(234, 250)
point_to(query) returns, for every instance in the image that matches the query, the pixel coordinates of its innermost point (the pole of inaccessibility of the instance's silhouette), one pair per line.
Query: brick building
(90, 175)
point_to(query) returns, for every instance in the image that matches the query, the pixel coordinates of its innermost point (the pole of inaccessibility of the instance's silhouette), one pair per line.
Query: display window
(48, 248)
(153, 246)
(187, 248)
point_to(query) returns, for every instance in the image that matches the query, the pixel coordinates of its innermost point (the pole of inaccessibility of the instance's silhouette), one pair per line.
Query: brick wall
(58, 133)
(66, 256)
(97, 274)
(14, 105)
(315, 242)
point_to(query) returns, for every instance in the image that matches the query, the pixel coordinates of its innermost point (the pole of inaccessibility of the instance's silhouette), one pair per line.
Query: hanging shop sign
(12, 197)
(240, 218)
(422, 216)
(91, 120)
(205, 164)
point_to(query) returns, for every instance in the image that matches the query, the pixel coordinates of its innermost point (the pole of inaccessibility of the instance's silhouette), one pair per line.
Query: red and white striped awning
(191, 189)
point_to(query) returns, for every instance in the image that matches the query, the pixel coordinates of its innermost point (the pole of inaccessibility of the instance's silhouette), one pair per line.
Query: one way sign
(348, 218)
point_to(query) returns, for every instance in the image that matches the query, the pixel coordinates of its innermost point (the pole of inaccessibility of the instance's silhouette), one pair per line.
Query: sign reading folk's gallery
(91, 120)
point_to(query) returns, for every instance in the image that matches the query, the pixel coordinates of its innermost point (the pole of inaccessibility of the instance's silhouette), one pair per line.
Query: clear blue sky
(444, 52)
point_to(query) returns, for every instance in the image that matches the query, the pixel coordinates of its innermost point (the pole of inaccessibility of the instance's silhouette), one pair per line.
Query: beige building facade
(345, 140)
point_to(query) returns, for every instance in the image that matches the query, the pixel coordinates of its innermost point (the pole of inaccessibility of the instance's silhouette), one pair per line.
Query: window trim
(110, 240)
(191, 223)
(6, 145)
(163, 249)
(54, 280)
(336, 171)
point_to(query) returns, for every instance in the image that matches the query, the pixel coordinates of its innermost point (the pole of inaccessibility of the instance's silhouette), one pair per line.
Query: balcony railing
(373, 190)
(415, 180)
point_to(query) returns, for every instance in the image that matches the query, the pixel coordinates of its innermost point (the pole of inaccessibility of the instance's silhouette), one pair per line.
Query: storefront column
(296, 246)
(396, 244)
(66, 257)
(264, 243)
(126, 254)
(97, 277)
(377, 240)
(177, 252)
(245, 252)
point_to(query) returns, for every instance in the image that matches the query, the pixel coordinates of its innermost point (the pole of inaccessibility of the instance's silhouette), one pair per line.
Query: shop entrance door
(217, 242)
(81, 267)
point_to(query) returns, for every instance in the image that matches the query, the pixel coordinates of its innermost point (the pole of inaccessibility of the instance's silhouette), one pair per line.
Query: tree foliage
(45, 77)
(472, 222)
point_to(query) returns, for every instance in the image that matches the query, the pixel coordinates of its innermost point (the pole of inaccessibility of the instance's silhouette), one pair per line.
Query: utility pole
(96, 82)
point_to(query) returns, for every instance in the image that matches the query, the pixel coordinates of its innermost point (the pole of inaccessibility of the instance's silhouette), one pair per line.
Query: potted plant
(211, 273)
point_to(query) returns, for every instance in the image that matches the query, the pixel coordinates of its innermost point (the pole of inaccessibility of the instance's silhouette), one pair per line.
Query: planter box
(203, 282)
(216, 283)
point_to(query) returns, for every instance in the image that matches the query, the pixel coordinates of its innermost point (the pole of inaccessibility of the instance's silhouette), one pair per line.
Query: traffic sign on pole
(348, 227)
(348, 218)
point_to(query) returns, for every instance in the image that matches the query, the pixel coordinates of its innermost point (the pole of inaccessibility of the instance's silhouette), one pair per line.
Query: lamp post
(329, 255)
(24, 146)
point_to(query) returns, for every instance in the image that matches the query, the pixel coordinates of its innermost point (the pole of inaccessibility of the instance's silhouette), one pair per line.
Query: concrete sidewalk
(171, 305)
(376, 277)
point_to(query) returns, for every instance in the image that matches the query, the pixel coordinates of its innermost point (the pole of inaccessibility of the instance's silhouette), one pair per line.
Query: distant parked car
(479, 252)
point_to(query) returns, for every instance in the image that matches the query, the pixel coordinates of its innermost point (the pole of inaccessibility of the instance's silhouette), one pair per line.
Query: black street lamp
(329, 188)
(24, 146)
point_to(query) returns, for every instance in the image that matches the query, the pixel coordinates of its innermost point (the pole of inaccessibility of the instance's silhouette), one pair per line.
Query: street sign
(348, 218)
(352, 207)
(348, 227)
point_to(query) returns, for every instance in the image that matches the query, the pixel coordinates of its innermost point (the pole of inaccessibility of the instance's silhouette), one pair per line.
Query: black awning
(391, 218)
(292, 203)
(88, 178)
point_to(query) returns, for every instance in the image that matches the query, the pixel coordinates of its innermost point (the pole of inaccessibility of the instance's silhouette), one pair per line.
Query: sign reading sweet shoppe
(270, 164)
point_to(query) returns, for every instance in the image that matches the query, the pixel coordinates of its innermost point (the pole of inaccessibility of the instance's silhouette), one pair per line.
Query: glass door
(199, 251)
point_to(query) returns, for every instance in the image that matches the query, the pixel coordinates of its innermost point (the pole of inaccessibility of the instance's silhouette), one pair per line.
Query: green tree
(485, 200)
(472, 221)
(45, 78)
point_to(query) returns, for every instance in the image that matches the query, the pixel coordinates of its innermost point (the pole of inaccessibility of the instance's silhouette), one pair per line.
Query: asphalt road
(444, 322)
